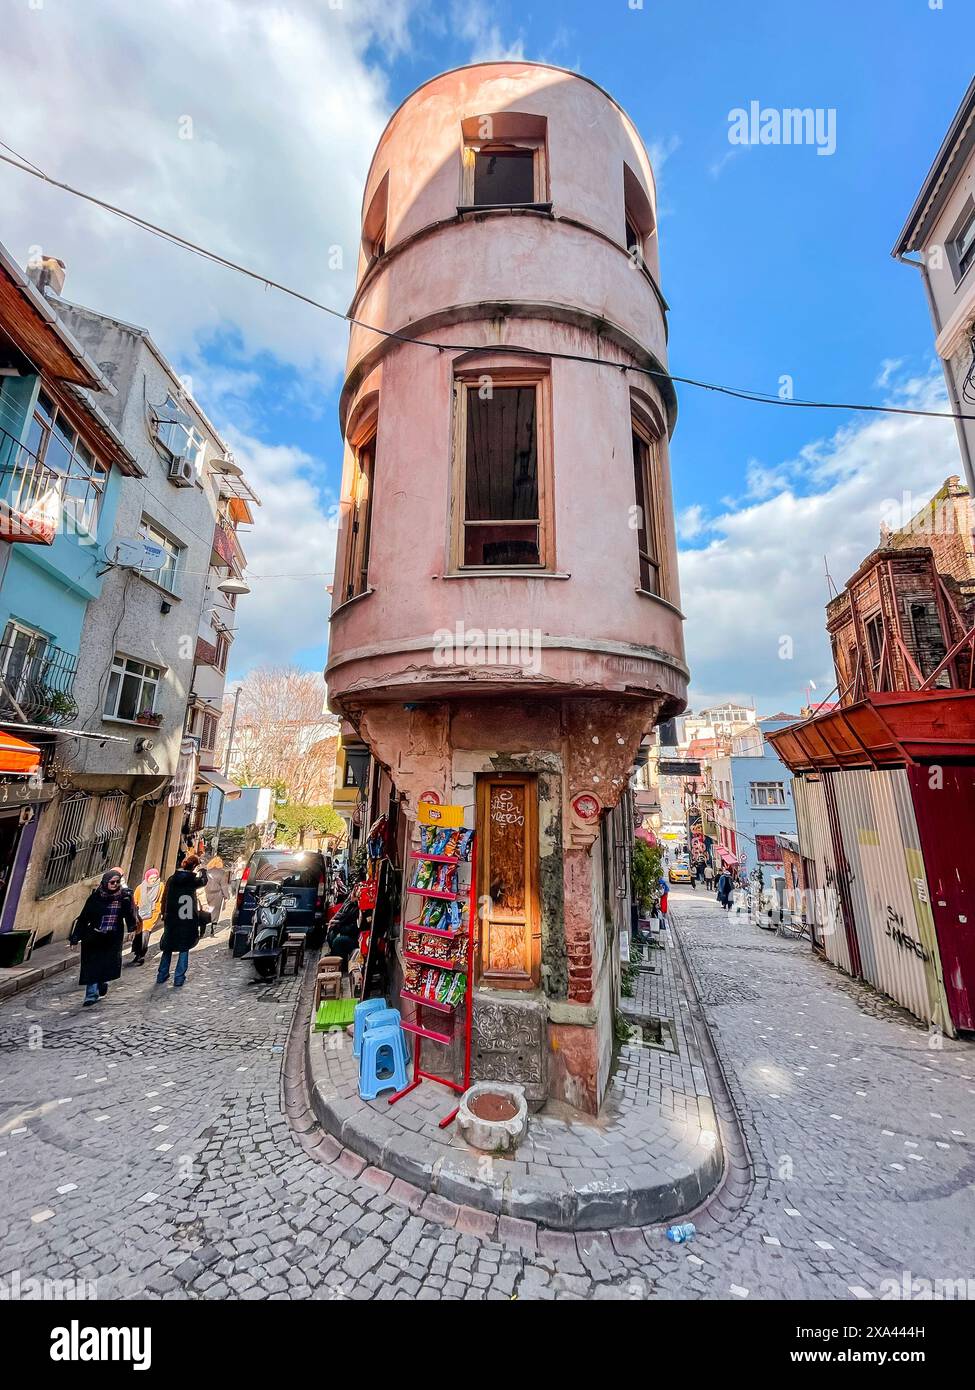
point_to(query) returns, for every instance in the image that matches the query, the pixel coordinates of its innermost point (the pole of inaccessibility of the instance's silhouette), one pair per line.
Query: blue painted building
(753, 800)
(61, 466)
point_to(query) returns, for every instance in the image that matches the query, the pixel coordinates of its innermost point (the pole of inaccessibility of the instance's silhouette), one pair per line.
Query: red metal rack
(463, 1009)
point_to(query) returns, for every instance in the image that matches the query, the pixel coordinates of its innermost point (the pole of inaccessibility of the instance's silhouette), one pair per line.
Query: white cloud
(284, 104)
(294, 535)
(690, 522)
(762, 577)
(472, 23)
(284, 107)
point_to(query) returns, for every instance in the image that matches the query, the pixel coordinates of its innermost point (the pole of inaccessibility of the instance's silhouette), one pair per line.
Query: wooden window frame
(469, 379)
(532, 940)
(497, 145)
(650, 501)
(355, 569)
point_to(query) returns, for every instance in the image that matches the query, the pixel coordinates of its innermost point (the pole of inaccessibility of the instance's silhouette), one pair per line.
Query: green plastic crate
(334, 1013)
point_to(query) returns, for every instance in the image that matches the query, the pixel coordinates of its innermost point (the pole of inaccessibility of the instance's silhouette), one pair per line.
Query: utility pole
(226, 770)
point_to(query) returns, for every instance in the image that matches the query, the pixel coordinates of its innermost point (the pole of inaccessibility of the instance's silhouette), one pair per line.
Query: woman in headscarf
(100, 929)
(148, 903)
(181, 916)
(217, 891)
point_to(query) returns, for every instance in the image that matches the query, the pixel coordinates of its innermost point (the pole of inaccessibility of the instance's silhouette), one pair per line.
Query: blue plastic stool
(359, 1014)
(387, 1018)
(381, 1064)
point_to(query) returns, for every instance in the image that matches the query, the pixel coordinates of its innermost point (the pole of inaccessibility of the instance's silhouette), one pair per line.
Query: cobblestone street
(144, 1146)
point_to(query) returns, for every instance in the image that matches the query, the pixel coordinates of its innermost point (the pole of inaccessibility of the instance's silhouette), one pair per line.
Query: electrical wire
(27, 166)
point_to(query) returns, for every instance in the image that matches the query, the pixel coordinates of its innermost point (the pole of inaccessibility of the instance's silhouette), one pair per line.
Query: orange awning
(17, 755)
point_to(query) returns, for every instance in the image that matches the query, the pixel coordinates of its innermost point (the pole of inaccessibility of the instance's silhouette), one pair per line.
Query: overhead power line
(27, 166)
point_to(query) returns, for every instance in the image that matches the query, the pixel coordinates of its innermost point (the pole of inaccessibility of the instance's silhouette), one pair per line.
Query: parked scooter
(269, 929)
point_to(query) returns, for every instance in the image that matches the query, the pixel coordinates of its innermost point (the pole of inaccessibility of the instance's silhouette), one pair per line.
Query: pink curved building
(506, 619)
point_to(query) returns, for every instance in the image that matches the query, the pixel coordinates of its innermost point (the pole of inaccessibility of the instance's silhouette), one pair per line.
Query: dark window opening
(503, 177)
(875, 639)
(357, 572)
(502, 521)
(646, 528)
(929, 646)
(634, 238)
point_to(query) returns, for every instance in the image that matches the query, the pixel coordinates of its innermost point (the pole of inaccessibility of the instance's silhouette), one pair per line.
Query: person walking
(708, 876)
(181, 917)
(147, 898)
(100, 928)
(217, 890)
(724, 889)
(663, 888)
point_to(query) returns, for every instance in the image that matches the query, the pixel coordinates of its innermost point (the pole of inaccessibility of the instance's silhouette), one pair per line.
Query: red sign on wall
(767, 850)
(587, 807)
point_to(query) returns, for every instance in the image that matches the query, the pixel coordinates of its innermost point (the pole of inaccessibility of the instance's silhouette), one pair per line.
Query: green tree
(645, 873)
(295, 822)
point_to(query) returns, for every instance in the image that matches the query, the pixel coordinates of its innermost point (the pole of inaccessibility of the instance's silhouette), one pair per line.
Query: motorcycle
(269, 929)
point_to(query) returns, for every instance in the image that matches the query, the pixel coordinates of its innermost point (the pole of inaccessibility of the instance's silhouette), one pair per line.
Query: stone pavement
(652, 1154)
(144, 1147)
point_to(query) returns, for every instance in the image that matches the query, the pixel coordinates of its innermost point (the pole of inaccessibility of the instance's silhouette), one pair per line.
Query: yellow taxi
(679, 872)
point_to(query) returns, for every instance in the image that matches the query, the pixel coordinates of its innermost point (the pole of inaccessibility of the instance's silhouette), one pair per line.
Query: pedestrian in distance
(217, 890)
(708, 876)
(741, 895)
(724, 889)
(147, 898)
(182, 917)
(99, 930)
(663, 889)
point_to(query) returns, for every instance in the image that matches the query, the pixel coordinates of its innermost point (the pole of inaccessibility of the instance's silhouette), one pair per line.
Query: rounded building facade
(506, 598)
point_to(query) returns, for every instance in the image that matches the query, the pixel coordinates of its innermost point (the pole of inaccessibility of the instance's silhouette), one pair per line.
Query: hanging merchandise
(438, 945)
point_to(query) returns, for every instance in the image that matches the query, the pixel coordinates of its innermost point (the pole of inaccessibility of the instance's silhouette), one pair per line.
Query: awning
(18, 756)
(885, 729)
(727, 857)
(220, 783)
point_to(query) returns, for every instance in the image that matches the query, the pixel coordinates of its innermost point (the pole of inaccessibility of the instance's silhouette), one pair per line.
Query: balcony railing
(30, 495)
(226, 544)
(37, 684)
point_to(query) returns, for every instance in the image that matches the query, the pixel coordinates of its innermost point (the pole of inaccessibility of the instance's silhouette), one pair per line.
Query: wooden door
(510, 932)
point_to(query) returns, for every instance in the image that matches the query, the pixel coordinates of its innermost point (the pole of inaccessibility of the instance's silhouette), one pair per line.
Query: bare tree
(285, 737)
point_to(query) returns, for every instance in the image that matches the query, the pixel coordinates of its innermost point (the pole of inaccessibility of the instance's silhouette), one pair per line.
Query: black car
(302, 875)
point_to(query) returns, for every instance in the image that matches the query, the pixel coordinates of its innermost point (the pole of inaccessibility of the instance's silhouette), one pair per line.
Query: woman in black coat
(182, 918)
(101, 926)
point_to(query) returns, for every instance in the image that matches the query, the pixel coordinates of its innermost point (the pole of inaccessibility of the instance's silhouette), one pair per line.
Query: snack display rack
(438, 948)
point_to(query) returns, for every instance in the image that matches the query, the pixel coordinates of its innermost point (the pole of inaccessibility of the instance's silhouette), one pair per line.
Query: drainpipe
(956, 404)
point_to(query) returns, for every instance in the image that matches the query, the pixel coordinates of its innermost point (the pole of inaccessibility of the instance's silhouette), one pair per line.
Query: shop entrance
(10, 832)
(507, 825)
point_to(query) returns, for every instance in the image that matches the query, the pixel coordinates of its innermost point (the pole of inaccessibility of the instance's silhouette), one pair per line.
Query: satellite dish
(135, 552)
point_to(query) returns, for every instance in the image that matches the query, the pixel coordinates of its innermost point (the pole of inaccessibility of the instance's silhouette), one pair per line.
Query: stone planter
(500, 1135)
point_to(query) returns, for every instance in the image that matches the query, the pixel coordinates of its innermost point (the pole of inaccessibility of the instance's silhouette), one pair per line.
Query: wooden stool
(293, 946)
(328, 964)
(328, 985)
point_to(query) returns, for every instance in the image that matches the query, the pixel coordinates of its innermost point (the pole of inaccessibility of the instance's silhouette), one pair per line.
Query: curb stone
(545, 1202)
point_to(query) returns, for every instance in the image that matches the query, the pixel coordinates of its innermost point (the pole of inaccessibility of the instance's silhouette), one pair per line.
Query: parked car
(679, 872)
(303, 878)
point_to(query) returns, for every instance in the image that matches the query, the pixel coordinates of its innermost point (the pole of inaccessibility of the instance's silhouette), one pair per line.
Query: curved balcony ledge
(487, 312)
(465, 215)
(408, 669)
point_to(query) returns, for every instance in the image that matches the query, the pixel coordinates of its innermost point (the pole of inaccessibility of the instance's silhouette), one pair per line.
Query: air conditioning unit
(181, 472)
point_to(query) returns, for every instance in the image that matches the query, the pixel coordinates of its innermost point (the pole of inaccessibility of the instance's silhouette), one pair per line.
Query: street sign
(672, 767)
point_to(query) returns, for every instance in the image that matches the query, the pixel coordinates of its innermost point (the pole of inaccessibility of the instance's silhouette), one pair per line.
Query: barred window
(88, 839)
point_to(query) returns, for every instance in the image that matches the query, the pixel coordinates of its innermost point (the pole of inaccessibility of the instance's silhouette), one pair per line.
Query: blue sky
(775, 260)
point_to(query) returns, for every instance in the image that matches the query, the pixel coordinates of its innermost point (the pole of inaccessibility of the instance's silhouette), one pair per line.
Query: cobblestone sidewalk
(653, 1153)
